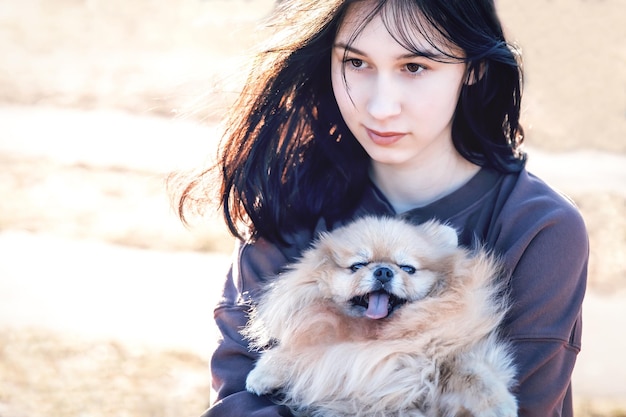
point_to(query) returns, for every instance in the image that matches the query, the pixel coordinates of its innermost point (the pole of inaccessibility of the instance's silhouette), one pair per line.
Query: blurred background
(106, 298)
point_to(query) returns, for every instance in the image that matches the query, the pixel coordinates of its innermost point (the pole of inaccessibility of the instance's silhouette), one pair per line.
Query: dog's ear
(321, 250)
(443, 234)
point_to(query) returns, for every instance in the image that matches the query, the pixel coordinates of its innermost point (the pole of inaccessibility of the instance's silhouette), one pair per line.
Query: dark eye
(408, 269)
(355, 62)
(355, 267)
(414, 68)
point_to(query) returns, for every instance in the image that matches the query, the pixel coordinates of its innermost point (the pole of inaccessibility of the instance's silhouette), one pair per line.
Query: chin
(389, 155)
(383, 317)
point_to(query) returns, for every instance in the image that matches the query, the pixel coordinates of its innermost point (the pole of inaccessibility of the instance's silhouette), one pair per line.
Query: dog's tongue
(377, 306)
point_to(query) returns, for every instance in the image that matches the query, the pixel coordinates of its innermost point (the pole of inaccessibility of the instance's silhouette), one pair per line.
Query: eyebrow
(419, 54)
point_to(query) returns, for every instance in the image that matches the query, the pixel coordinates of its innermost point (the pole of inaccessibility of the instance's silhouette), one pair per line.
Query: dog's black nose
(383, 274)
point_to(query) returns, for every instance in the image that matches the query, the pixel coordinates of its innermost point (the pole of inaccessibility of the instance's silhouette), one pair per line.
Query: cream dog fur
(385, 318)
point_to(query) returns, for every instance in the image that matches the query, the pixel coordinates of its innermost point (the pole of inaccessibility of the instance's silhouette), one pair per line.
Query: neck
(409, 187)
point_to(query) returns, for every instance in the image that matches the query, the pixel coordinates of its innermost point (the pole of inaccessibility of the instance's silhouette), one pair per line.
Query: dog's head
(373, 266)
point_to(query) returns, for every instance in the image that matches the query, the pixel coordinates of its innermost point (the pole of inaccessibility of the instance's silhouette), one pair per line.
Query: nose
(384, 99)
(383, 274)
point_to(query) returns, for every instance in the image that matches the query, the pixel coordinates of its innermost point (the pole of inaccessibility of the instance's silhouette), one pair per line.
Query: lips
(384, 138)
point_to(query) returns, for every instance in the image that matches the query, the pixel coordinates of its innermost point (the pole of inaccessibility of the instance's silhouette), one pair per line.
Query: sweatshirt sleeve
(548, 246)
(232, 361)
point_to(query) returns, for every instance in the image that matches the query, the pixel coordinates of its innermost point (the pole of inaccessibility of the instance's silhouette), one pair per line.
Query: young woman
(396, 107)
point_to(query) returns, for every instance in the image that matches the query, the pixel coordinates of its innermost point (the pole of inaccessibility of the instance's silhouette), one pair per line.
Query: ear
(442, 233)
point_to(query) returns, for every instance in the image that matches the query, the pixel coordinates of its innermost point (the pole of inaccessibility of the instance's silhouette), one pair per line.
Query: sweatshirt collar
(472, 192)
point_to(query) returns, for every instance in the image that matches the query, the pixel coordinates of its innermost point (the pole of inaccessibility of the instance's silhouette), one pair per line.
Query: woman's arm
(547, 289)
(232, 361)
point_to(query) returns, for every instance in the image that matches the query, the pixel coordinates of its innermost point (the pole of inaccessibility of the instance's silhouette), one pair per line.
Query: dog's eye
(355, 267)
(408, 269)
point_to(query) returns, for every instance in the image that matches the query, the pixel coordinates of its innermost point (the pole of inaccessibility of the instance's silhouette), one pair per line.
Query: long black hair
(287, 157)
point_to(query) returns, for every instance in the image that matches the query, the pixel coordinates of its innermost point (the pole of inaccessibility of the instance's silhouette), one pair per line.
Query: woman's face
(398, 105)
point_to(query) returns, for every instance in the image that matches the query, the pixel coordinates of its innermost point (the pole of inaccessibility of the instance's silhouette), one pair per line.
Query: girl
(394, 107)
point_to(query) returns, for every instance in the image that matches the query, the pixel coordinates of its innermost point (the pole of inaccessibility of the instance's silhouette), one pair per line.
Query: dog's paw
(496, 403)
(499, 407)
(260, 382)
(255, 383)
(504, 406)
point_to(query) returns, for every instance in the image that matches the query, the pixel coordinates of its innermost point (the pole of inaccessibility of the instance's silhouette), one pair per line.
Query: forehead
(401, 19)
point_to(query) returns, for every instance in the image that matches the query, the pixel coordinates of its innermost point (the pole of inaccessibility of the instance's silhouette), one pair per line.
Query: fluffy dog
(385, 318)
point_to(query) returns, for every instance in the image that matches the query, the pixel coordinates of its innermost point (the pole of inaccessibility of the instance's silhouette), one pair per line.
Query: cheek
(448, 92)
(436, 99)
(348, 92)
(432, 101)
(418, 286)
(342, 286)
(340, 89)
(345, 286)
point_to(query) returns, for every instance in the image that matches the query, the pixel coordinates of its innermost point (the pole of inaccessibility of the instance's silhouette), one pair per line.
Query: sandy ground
(105, 299)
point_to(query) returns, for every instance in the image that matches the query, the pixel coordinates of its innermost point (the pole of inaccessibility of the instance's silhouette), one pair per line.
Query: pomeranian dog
(382, 317)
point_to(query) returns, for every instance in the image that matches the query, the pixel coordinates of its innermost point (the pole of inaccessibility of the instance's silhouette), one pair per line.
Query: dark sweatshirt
(542, 241)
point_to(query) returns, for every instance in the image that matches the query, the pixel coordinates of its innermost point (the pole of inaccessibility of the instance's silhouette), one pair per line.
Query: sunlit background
(106, 299)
